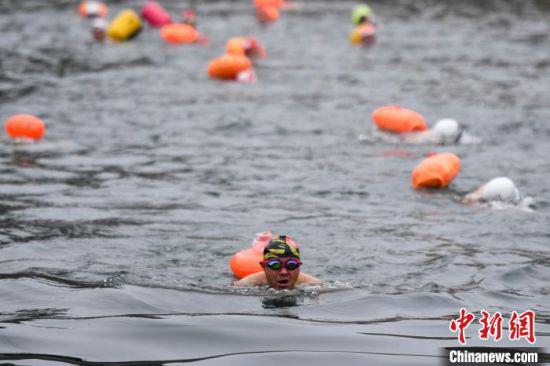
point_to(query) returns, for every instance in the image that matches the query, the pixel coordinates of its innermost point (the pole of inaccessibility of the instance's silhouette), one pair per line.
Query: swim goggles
(277, 265)
(459, 136)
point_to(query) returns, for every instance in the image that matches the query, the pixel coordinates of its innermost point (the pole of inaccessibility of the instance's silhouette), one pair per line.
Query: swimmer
(190, 18)
(99, 29)
(365, 29)
(446, 131)
(497, 189)
(499, 193)
(281, 264)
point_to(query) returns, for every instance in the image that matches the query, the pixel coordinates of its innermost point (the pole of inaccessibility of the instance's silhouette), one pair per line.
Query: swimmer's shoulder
(255, 279)
(258, 279)
(306, 279)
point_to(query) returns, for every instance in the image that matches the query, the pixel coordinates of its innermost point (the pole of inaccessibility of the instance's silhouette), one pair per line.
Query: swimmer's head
(189, 17)
(99, 27)
(253, 48)
(281, 262)
(500, 189)
(281, 246)
(447, 131)
(361, 14)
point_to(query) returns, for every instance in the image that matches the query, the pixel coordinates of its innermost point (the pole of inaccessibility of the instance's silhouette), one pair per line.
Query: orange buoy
(437, 171)
(25, 126)
(267, 14)
(228, 66)
(236, 46)
(91, 8)
(247, 261)
(178, 33)
(247, 46)
(263, 3)
(396, 119)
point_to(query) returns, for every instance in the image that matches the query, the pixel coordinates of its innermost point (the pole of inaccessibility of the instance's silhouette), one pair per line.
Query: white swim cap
(500, 189)
(99, 23)
(246, 76)
(447, 131)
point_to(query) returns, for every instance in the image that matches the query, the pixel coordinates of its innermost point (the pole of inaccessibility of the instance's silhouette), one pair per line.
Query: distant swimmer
(281, 267)
(397, 124)
(498, 190)
(189, 17)
(365, 30)
(99, 29)
(446, 131)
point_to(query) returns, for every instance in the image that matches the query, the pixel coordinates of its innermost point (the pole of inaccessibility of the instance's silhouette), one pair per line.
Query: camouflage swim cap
(281, 246)
(361, 11)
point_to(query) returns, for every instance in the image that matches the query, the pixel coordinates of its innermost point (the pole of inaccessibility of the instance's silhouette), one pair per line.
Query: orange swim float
(437, 171)
(247, 261)
(236, 46)
(247, 46)
(396, 119)
(228, 66)
(267, 14)
(25, 126)
(264, 3)
(178, 33)
(91, 8)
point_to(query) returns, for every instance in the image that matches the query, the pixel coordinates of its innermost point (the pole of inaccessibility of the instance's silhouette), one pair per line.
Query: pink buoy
(247, 261)
(261, 241)
(155, 14)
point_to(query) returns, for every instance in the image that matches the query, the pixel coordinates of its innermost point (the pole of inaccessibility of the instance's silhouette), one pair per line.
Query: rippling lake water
(116, 229)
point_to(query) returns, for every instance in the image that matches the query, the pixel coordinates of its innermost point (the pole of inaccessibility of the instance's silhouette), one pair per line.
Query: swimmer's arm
(423, 137)
(254, 279)
(306, 279)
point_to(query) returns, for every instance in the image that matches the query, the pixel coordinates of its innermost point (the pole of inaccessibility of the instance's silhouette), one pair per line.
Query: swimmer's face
(363, 19)
(282, 272)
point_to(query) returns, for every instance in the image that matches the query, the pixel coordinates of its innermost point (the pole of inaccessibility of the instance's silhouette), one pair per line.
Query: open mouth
(283, 283)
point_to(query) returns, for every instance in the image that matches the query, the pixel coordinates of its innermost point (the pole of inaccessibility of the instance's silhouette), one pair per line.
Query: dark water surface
(115, 231)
